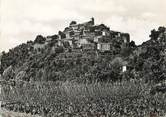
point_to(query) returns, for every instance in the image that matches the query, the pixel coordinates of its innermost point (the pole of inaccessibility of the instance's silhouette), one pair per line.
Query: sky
(23, 20)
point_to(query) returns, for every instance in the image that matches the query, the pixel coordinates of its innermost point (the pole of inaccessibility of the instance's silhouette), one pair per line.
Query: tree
(161, 29)
(62, 34)
(132, 44)
(73, 22)
(40, 39)
(154, 34)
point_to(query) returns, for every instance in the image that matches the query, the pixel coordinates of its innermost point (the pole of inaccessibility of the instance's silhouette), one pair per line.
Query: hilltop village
(86, 51)
(86, 67)
(87, 36)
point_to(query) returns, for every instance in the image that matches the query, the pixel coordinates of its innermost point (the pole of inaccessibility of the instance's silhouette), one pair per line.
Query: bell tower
(93, 21)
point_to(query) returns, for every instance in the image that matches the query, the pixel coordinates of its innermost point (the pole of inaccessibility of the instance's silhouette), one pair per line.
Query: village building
(89, 46)
(89, 36)
(125, 37)
(124, 68)
(104, 46)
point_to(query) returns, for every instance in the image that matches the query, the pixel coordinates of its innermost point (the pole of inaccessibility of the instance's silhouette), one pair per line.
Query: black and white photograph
(82, 58)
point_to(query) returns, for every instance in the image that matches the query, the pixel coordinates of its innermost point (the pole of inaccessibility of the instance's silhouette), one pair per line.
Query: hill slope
(85, 53)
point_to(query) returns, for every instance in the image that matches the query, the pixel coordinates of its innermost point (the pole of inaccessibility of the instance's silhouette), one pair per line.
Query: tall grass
(108, 99)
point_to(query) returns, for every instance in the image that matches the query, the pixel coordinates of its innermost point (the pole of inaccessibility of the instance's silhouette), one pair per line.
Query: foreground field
(5, 113)
(127, 99)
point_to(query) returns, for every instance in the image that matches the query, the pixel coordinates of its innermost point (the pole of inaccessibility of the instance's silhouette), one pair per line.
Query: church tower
(93, 21)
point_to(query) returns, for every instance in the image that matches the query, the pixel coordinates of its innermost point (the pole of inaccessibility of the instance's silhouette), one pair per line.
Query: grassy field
(127, 99)
(5, 113)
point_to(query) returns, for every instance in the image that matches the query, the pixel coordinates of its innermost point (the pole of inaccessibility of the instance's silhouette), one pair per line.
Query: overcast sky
(22, 20)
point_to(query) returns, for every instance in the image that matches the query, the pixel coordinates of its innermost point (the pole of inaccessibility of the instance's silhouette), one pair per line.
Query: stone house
(124, 68)
(48, 39)
(68, 33)
(89, 46)
(104, 46)
(90, 36)
(84, 41)
(125, 37)
(75, 27)
(60, 42)
(105, 32)
(104, 43)
(38, 47)
(97, 38)
(77, 33)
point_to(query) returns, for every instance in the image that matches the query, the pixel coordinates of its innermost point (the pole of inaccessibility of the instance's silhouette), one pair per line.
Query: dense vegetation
(59, 63)
(128, 99)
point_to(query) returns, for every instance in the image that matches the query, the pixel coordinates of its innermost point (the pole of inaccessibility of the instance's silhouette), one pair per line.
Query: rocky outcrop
(21, 76)
(8, 73)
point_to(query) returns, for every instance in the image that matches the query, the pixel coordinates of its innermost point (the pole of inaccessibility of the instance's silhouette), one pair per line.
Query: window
(103, 33)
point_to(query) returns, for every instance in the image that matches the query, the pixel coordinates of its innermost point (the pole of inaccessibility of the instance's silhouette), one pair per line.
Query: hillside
(45, 60)
(82, 52)
(86, 70)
